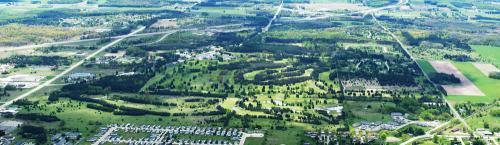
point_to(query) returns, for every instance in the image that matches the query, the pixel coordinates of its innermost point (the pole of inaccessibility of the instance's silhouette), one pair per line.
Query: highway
(274, 17)
(72, 67)
(5, 49)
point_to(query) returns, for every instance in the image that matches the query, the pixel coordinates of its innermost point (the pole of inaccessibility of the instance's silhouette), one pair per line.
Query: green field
(487, 85)
(426, 66)
(491, 53)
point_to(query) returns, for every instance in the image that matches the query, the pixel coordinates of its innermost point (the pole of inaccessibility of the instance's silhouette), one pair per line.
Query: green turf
(254, 141)
(491, 53)
(486, 85)
(426, 66)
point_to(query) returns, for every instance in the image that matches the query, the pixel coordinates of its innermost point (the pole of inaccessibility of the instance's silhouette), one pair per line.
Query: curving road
(72, 67)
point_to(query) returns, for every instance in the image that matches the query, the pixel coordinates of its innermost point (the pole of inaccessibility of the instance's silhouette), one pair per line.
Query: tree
(495, 75)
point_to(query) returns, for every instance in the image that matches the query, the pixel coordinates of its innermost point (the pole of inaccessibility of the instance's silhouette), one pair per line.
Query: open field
(491, 53)
(486, 69)
(487, 85)
(426, 66)
(466, 88)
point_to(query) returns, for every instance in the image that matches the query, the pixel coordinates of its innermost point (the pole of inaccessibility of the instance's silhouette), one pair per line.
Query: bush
(495, 75)
(444, 79)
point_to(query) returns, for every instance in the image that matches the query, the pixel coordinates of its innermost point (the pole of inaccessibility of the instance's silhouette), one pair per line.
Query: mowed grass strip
(426, 66)
(487, 85)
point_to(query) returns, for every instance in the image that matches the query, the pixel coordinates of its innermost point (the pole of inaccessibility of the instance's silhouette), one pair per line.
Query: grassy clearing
(487, 85)
(254, 141)
(491, 53)
(367, 111)
(485, 120)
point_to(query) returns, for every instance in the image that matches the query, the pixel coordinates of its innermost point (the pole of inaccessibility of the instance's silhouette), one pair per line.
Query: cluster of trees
(124, 83)
(123, 110)
(495, 75)
(102, 105)
(188, 93)
(25, 60)
(60, 48)
(36, 117)
(450, 41)
(412, 129)
(24, 102)
(144, 100)
(219, 111)
(444, 78)
(39, 134)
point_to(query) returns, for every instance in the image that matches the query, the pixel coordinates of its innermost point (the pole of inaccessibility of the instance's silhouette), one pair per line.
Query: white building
(20, 81)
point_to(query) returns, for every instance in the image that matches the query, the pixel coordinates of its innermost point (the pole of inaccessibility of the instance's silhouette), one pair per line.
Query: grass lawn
(489, 52)
(254, 141)
(367, 111)
(487, 85)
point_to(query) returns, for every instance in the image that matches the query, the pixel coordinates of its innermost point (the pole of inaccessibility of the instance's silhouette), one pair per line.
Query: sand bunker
(466, 87)
(485, 68)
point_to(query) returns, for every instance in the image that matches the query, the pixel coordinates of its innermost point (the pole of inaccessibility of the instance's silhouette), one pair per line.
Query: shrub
(495, 75)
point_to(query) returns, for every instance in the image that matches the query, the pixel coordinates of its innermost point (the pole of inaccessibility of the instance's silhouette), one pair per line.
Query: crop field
(426, 66)
(487, 85)
(465, 88)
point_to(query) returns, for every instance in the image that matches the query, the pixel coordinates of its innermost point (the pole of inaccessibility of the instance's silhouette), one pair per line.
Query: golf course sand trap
(486, 68)
(465, 88)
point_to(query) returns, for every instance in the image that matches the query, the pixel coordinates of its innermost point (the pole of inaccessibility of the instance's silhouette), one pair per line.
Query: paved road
(46, 83)
(403, 47)
(247, 135)
(274, 17)
(5, 49)
(104, 136)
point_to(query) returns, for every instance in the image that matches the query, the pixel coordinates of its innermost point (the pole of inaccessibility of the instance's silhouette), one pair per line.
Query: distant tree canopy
(444, 79)
(24, 60)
